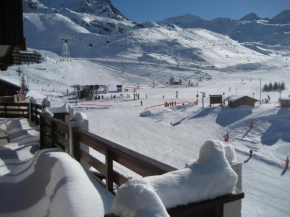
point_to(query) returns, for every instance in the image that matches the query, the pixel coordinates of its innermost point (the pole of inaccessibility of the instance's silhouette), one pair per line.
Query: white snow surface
(52, 184)
(209, 177)
(233, 98)
(174, 134)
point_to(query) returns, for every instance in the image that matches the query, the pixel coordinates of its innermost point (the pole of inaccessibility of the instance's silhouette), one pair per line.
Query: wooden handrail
(132, 160)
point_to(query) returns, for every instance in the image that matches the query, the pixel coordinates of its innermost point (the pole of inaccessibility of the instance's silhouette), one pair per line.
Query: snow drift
(207, 178)
(52, 183)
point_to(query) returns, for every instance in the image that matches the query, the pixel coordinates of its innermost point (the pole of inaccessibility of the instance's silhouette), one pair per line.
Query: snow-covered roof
(9, 82)
(234, 98)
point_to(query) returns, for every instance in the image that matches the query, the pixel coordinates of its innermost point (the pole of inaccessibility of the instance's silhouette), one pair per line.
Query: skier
(141, 103)
(287, 163)
(251, 152)
(163, 96)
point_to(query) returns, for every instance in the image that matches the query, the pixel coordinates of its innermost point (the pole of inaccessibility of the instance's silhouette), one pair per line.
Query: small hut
(215, 99)
(236, 100)
(284, 103)
(119, 88)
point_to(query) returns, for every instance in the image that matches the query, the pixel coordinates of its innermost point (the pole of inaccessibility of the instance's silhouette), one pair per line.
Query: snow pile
(46, 102)
(35, 94)
(63, 109)
(32, 100)
(207, 178)
(23, 138)
(47, 112)
(60, 186)
(138, 198)
(80, 120)
(233, 98)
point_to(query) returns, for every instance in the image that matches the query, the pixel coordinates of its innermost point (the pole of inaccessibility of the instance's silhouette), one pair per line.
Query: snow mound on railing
(52, 183)
(209, 177)
(64, 109)
(47, 112)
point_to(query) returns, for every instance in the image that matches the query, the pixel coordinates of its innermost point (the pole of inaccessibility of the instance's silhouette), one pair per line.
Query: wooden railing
(25, 110)
(56, 133)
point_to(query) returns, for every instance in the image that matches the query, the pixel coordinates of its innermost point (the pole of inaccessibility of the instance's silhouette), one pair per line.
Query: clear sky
(157, 10)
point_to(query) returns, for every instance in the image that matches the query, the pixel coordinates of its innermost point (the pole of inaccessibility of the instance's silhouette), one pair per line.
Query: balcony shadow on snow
(199, 114)
(18, 195)
(279, 129)
(283, 172)
(228, 116)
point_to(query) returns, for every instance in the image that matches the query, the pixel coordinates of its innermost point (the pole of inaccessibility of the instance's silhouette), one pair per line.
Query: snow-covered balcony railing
(107, 158)
(30, 110)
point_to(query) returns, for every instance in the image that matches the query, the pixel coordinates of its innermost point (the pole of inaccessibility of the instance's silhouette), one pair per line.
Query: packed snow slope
(97, 29)
(250, 28)
(174, 134)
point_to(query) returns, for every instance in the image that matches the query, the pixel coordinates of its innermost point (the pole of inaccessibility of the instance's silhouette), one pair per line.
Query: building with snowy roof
(284, 103)
(236, 100)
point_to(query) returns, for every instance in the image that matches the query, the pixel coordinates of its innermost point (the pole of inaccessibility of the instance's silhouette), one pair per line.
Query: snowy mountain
(96, 16)
(282, 18)
(250, 28)
(250, 17)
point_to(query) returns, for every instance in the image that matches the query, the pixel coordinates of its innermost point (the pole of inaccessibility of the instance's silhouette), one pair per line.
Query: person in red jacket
(287, 163)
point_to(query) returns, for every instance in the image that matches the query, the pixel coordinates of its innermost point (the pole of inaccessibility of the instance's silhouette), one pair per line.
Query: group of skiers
(170, 104)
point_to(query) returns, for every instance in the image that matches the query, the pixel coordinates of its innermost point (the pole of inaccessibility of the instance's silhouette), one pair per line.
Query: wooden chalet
(235, 101)
(284, 103)
(8, 89)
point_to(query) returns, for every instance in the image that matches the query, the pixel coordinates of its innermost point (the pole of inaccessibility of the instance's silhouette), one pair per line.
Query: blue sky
(157, 10)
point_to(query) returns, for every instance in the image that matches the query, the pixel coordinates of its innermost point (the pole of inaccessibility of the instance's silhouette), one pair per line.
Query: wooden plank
(46, 121)
(62, 141)
(15, 110)
(139, 163)
(14, 115)
(94, 144)
(14, 104)
(100, 166)
(120, 179)
(140, 166)
(46, 142)
(46, 130)
(62, 127)
(194, 208)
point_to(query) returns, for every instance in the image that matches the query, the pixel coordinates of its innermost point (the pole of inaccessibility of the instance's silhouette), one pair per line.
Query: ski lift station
(100, 89)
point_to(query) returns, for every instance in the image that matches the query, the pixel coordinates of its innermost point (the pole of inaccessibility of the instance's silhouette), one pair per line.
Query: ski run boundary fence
(55, 132)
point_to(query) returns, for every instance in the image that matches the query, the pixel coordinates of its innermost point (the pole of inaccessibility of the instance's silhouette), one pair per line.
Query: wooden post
(109, 171)
(76, 146)
(41, 145)
(69, 137)
(30, 110)
(219, 211)
(72, 143)
(5, 110)
(36, 113)
(52, 130)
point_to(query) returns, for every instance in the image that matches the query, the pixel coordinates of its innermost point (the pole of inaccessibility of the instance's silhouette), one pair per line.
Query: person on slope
(251, 152)
(287, 163)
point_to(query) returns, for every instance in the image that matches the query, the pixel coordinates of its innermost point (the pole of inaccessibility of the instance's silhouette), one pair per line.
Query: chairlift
(90, 45)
